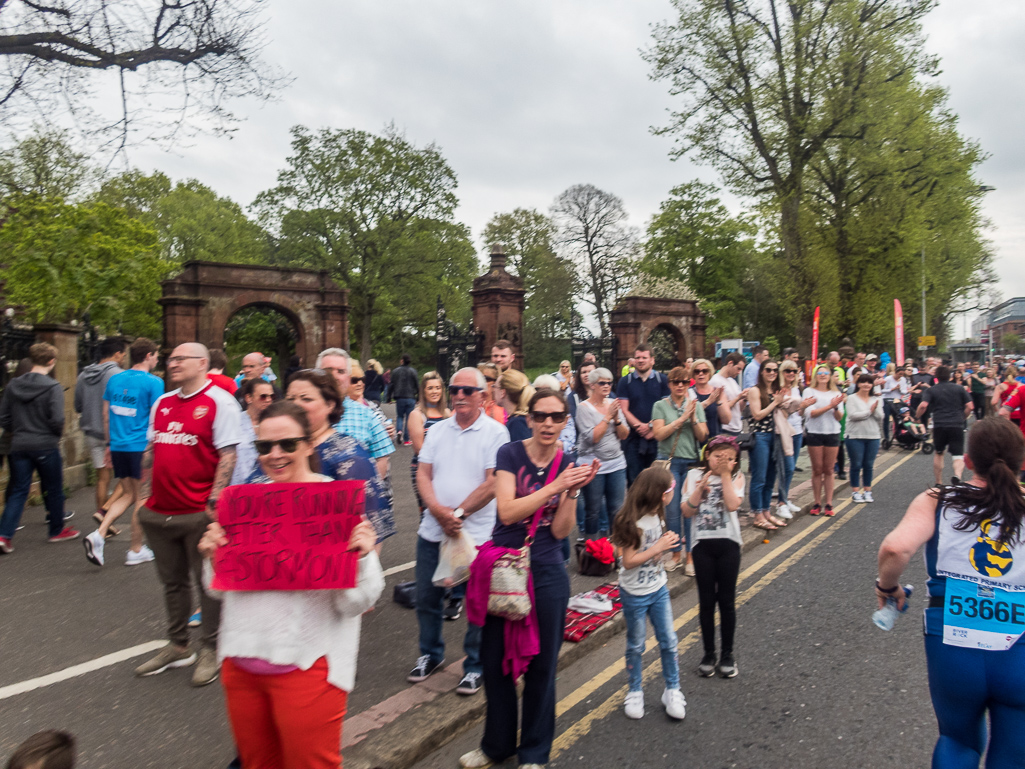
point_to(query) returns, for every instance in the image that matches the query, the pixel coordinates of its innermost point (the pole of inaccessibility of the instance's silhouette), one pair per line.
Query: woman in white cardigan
(289, 657)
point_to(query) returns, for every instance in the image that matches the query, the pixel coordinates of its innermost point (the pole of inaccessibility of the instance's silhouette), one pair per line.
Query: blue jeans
(659, 608)
(403, 408)
(609, 488)
(430, 603)
(785, 465)
(863, 453)
(966, 683)
(551, 594)
(640, 453)
(47, 462)
(763, 471)
(679, 468)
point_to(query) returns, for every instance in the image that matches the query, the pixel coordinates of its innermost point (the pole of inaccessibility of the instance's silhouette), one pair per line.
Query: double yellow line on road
(581, 727)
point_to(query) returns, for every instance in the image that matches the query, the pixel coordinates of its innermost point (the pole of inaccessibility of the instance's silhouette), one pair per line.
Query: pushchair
(909, 433)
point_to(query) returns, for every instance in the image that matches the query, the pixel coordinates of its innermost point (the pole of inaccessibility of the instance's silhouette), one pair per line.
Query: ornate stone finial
(498, 258)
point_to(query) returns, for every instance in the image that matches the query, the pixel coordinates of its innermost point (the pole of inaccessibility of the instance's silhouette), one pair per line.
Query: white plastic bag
(454, 558)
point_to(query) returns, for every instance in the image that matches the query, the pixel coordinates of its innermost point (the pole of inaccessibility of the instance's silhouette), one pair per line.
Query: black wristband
(891, 591)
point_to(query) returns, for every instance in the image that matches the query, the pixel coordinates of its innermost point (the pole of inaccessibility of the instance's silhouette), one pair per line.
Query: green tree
(62, 260)
(192, 221)
(548, 279)
(1012, 343)
(767, 87)
(377, 213)
(46, 163)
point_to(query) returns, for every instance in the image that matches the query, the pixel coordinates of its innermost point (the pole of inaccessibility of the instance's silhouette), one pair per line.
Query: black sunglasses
(288, 445)
(678, 381)
(772, 368)
(355, 379)
(490, 379)
(558, 417)
(456, 390)
(701, 371)
(605, 383)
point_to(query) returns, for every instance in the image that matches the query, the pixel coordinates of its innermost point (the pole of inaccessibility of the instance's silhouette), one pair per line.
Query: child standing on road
(640, 531)
(713, 494)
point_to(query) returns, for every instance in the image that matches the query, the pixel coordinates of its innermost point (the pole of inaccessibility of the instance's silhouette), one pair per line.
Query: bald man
(254, 366)
(193, 432)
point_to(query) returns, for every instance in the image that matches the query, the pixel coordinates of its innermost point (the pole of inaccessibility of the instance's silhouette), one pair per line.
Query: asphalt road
(819, 685)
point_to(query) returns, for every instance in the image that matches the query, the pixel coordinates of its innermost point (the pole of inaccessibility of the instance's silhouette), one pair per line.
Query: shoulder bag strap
(552, 472)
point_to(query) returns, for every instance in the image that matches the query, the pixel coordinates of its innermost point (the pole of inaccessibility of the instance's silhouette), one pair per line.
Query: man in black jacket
(405, 388)
(32, 408)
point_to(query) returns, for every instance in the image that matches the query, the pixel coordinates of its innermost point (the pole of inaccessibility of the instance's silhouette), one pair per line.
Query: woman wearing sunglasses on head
(257, 395)
(289, 657)
(341, 457)
(822, 436)
(717, 407)
(534, 480)
(600, 428)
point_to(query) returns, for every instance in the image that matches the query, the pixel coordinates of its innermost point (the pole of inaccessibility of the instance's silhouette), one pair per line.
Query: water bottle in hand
(885, 617)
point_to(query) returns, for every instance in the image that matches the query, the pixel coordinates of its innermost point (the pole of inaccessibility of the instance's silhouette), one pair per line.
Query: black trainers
(955, 481)
(707, 667)
(423, 668)
(470, 684)
(453, 609)
(727, 667)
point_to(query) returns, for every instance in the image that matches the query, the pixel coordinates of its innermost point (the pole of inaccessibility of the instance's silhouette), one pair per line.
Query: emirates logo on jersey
(166, 410)
(200, 411)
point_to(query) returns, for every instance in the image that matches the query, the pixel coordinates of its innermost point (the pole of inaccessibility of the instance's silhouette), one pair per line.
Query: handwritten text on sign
(288, 536)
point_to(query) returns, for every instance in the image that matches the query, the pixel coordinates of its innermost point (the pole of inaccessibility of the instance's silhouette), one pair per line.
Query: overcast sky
(527, 98)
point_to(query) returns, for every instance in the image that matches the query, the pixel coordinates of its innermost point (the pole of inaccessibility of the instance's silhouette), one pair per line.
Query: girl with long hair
(864, 432)
(975, 558)
(640, 531)
(822, 436)
(430, 409)
(513, 392)
(712, 494)
(764, 399)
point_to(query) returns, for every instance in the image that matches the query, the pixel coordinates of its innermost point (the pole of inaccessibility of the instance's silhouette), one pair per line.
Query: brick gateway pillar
(498, 307)
(658, 304)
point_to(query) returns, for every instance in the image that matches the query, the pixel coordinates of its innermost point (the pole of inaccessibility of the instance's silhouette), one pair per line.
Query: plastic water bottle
(885, 617)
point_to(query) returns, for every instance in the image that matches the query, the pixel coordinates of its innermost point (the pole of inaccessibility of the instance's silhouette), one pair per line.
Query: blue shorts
(127, 464)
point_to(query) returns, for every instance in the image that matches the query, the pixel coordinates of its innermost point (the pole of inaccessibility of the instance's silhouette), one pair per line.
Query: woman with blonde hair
(492, 409)
(822, 436)
(373, 381)
(513, 391)
(430, 409)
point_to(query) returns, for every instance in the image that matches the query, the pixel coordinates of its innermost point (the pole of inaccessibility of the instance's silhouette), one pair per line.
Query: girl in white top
(639, 529)
(822, 427)
(712, 494)
(289, 657)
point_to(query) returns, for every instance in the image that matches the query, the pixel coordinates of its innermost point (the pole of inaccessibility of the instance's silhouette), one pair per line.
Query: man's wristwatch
(459, 513)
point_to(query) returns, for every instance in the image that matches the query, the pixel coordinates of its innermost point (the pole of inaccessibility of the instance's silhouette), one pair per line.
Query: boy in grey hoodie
(32, 409)
(89, 389)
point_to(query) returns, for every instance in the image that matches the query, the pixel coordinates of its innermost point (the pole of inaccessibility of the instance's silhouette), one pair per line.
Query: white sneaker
(475, 759)
(792, 507)
(857, 497)
(145, 555)
(676, 705)
(633, 705)
(782, 511)
(94, 548)
(867, 496)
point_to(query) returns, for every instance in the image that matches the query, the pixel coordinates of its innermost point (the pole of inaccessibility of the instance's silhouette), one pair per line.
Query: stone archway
(668, 306)
(200, 300)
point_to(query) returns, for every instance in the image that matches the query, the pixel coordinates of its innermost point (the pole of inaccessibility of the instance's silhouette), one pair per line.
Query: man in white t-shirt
(456, 480)
(726, 378)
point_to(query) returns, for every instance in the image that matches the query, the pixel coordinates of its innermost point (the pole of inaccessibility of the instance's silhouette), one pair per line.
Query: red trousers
(288, 721)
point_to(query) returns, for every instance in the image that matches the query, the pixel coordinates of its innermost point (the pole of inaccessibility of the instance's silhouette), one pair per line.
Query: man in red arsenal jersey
(193, 432)
(1012, 404)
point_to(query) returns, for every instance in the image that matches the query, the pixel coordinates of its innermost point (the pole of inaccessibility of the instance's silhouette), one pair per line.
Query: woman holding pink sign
(289, 657)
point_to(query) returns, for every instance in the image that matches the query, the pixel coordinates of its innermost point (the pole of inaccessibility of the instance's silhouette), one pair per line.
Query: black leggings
(716, 566)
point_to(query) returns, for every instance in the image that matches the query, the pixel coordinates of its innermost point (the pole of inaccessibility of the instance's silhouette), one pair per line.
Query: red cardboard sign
(288, 536)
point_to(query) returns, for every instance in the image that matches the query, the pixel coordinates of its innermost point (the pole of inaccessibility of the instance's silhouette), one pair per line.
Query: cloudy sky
(528, 98)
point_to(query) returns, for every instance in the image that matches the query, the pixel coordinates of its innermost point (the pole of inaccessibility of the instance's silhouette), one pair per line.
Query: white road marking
(400, 568)
(78, 670)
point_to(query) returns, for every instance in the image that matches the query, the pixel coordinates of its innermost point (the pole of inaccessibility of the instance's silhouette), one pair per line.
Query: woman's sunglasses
(557, 417)
(605, 383)
(355, 379)
(288, 445)
(698, 371)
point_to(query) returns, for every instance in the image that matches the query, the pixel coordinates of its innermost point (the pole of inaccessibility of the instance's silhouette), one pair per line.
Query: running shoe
(955, 481)
(196, 619)
(167, 658)
(453, 609)
(675, 704)
(633, 705)
(816, 509)
(475, 759)
(207, 669)
(689, 569)
(707, 667)
(5, 545)
(857, 497)
(145, 555)
(69, 514)
(792, 507)
(727, 666)
(423, 669)
(828, 511)
(783, 511)
(867, 496)
(66, 535)
(469, 684)
(841, 476)
(94, 548)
